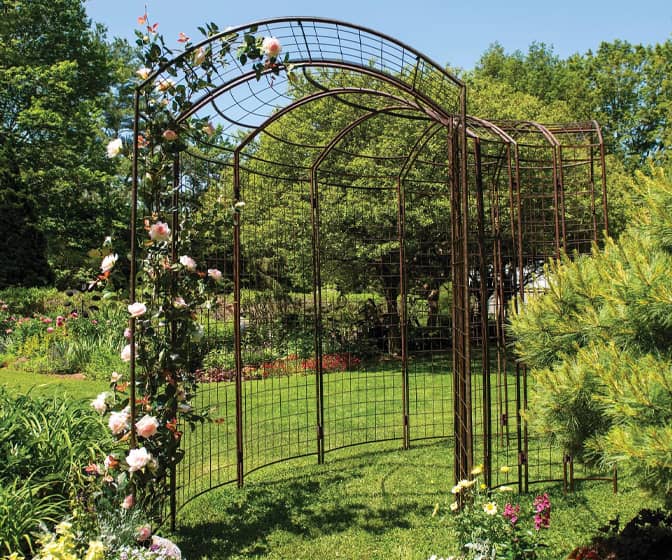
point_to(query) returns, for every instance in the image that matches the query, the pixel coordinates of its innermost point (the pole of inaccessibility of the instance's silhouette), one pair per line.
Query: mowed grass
(21, 382)
(371, 503)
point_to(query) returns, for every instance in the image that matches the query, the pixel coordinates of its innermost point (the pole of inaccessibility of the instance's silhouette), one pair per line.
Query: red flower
(182, 38)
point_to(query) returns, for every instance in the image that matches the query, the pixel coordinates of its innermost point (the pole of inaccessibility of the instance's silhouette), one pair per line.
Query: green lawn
(18, 381)
(365, 502)
(372, 502)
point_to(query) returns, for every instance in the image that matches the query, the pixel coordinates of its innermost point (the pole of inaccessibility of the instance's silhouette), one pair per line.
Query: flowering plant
(489, 526)
(172, 286)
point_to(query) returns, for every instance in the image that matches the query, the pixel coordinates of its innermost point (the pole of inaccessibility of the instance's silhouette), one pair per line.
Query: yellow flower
(490, 508)
(467, 483)
(63, 528)
(505, 469)
(483, 486)
(456, 489)
(505, 489)
(478, 469)
(454, 506)
(96, 551)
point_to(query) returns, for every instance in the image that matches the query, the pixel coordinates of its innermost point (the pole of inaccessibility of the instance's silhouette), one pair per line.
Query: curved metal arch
(322, 87)
(417, 148)
(311, 98)
(436, 111)
(300, 20)
(349, 128)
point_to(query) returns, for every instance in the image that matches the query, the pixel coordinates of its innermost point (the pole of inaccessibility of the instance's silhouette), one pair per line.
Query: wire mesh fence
(371, 237)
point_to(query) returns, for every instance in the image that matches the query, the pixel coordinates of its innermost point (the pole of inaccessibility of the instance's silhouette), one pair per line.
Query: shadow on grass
(307, 504)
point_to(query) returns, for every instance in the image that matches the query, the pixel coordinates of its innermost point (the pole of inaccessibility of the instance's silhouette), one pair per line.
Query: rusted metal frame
(516, 205)
(501, 312)
(352, 104)
(422, 141)
(299, 21)
(316, 261)
(236, 323)
(469, 459)
(561, 197)
(317, 311)
(437, 112)
(175, 224)
(461, 320)
(133, 440)
(605, 205)
(483, 303)
(457, 341)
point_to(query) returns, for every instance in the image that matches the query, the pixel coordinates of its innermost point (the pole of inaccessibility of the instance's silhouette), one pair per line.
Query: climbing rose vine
(172, 286)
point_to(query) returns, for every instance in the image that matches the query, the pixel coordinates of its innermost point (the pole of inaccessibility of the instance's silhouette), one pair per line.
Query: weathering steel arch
(416, 95)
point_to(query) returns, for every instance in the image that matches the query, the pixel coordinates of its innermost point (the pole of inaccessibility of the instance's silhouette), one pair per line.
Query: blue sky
(449, 32)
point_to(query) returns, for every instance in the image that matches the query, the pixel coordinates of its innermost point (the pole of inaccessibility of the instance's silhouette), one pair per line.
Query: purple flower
(542, 503)
(511, 513)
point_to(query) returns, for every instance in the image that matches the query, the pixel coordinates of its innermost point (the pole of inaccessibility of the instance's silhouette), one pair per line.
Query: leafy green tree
(599, 345)
(56, 75)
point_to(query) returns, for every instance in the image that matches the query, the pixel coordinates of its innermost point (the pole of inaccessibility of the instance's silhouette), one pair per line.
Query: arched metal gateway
(367, 278)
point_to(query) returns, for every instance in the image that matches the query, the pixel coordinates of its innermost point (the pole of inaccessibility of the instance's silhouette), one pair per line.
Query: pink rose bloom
(199, 56)
(118, 422)
(138, 459)
(115, 377)
(108, 262)
(188, 263)
(164, 84)
(169, 135)
(215, 274)
(137, 309)
(47, 320)
(179, 303)
(147, 426)
(143, 72)
(129, 502)
(60, 321)
(127, 333)
(126, 353)
(159, 232)
(271, 46)
(50, 329)
(144, 532)
(99, 404)
(74, 315)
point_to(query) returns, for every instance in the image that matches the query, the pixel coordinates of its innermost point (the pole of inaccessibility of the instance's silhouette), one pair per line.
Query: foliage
(76, 333)
(598, 345)
(56, 185)
(648, 535)
(621, 85)
(45, 443)
(488, 526)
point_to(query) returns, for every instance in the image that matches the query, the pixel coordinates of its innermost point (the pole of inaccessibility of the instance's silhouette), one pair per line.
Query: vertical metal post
(605, 202)
(133, 441)
(483, 304)
(173, 324)
(317, 310)
(467, 461)
(403, 320)
(561, 197)
(236, 321)
(521, 432)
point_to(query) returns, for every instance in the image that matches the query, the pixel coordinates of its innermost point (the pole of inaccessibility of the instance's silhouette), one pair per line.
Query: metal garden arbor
(384, 234)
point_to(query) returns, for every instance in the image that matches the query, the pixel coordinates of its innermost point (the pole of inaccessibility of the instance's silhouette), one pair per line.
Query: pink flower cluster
(511, 513)
(542, 506)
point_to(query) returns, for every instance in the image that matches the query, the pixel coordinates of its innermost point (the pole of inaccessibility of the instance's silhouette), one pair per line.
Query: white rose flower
(114, 147)
(108, 262)
(137, 459)
(137, 309)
